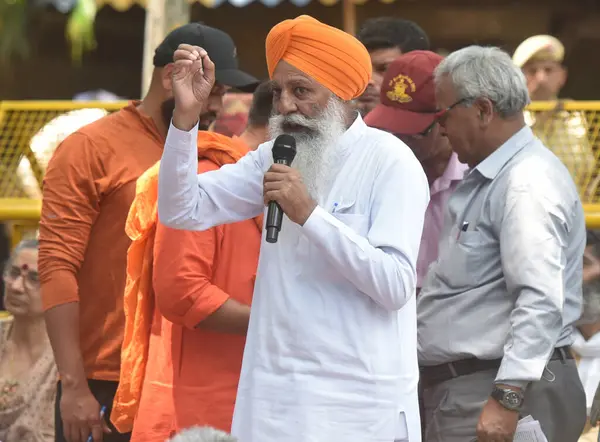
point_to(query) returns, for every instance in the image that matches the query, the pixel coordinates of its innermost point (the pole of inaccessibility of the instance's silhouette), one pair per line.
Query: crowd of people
(433, 278)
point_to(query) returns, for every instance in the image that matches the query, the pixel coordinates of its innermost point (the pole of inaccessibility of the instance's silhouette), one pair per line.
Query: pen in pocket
(102, 413)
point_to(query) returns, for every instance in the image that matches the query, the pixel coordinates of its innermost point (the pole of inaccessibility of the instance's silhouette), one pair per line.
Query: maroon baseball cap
(407, 94)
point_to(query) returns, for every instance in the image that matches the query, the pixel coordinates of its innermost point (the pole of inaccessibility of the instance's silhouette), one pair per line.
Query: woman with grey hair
(27, 370)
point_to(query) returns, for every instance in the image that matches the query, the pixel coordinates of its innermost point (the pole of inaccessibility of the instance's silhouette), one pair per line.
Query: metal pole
(349, 11)
(162, 16)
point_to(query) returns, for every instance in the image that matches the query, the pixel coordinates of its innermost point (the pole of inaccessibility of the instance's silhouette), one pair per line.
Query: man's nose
(541, 76)
(286, 105)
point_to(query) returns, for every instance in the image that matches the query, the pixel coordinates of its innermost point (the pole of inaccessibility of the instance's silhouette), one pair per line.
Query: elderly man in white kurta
(331, 346)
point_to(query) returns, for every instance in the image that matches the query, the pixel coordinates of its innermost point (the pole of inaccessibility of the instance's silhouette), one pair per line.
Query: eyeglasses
(31, 278)
(438, 116)
(441, 115)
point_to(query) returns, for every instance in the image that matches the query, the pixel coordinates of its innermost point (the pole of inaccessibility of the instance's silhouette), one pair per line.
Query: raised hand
(192, 79)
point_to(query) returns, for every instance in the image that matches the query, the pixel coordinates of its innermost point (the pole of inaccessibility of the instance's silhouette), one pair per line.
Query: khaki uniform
(566, 134)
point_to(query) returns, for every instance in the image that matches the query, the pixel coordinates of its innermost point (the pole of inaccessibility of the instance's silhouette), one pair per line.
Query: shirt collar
(490, 167)
(455, 171)
(354, 132)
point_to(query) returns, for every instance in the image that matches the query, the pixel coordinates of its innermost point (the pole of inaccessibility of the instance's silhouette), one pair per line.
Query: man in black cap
(88, 189)
(221, 47)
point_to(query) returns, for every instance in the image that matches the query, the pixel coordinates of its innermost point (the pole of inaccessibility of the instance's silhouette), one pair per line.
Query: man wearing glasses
(497, 308)
(408, 110)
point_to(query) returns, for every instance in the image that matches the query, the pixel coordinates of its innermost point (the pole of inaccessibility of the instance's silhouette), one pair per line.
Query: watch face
(513, 399)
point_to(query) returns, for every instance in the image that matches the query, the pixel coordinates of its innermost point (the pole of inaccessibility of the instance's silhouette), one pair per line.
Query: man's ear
(166, 73)
(485, 109)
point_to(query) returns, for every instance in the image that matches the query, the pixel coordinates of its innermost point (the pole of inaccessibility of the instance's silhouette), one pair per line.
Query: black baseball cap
(217, 44)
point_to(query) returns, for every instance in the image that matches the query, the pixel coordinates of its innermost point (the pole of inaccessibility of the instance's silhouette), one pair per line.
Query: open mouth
(293, 127)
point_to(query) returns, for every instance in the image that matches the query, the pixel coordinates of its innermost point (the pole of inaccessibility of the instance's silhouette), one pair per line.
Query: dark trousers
(452, 408)
(104, 392)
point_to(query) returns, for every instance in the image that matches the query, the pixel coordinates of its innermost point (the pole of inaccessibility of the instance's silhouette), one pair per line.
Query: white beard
(318, 155)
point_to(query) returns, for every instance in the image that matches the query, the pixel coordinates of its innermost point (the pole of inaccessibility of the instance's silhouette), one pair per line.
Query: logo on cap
(400, 86)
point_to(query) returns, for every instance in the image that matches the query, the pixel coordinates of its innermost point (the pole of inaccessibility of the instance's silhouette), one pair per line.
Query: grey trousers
(452, 408)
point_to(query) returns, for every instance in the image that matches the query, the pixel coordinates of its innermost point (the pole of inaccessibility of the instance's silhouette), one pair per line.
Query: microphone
(284, 151)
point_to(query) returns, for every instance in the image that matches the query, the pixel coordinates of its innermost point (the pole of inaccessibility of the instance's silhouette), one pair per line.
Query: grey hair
(202, 434)
(25, 244)
(489, 72)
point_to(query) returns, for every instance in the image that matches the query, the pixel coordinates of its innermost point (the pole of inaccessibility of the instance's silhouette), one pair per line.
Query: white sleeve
(383, 264)
(189, 201)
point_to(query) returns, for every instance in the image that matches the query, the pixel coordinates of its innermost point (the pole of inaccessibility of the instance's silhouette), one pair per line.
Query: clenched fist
(284, 185)
(193, 78)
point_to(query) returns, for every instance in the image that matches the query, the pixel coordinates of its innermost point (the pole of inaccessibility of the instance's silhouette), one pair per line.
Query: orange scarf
(138, 300)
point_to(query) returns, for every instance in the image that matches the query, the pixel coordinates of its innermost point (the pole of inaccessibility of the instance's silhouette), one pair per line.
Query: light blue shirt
(507, 282)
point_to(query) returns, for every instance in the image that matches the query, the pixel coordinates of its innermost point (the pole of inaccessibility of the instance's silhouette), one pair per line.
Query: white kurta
(331, 351)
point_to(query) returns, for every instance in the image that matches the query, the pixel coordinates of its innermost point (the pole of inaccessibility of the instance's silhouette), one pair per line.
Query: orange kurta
(189, 375)
(88, 188)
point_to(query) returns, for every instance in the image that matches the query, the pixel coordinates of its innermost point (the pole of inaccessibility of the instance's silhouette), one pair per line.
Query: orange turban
(332, 57)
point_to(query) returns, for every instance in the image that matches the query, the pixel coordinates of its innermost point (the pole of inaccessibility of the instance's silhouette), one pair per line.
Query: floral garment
(27, 405)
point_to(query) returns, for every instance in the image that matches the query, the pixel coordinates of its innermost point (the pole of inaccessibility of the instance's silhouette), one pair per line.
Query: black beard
(168, 106)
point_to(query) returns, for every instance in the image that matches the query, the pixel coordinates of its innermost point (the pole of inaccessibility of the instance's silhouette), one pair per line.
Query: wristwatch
(509, 399)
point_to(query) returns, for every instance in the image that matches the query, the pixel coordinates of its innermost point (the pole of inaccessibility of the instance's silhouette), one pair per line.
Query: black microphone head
(284, 148)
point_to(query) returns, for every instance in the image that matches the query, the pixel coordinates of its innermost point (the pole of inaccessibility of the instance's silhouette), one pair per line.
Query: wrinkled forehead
(26, 259)
(535, 65)
(286, 75)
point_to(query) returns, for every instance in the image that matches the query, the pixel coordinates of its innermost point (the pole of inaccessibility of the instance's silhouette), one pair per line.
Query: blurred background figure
(586, 346)
(565, 133)
(97, 95)
(46, 140)
(27, 370)
(386, 38)
(540, 57)
(256, 130)
(202, 434)
(232, 120)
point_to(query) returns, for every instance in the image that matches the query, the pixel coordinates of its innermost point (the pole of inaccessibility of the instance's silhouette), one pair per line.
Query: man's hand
(496, 423)
(193, 78)
(284, 185)
(80, 414)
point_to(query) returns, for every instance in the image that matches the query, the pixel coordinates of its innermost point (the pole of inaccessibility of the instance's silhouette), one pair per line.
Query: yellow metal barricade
(23, 162)
(570, 128)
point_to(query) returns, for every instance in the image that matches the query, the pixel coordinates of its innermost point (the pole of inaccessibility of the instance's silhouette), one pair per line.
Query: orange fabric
(88, 188)
(138, 299)
(331, 56)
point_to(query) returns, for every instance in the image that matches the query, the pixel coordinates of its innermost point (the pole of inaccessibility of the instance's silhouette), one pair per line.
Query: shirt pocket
(468, 260)
(357, 222)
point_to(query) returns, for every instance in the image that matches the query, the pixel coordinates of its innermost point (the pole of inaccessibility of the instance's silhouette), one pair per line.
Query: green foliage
(14, 19)
(13, 30)
(80, 29)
